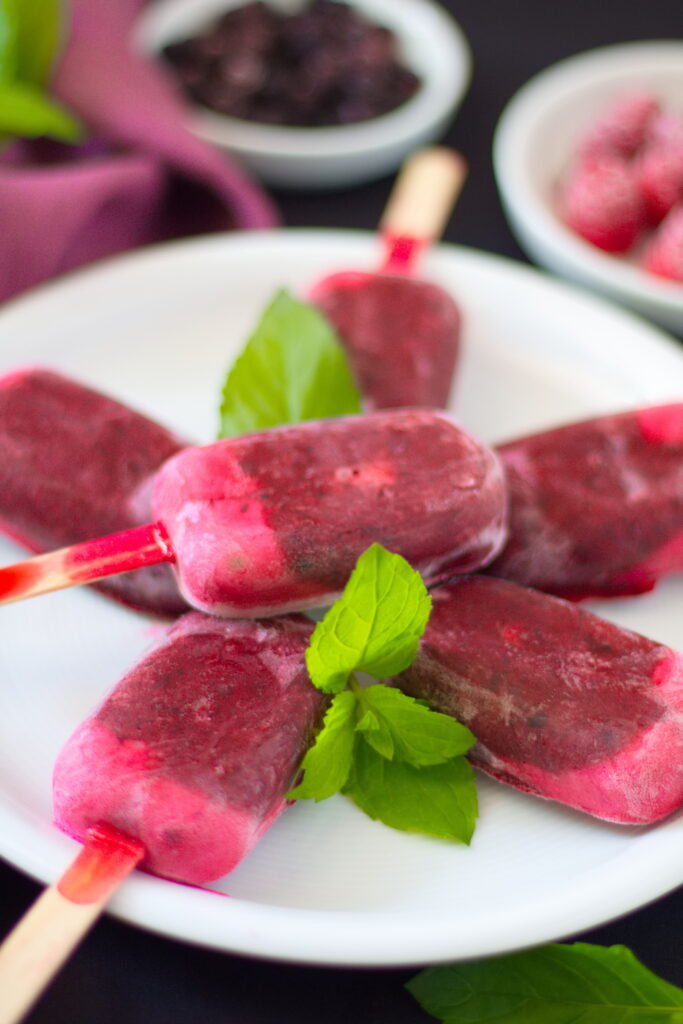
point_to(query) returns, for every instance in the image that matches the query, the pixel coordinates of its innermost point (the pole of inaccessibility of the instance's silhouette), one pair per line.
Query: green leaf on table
(293, 368)
(9, 30)
(40, 33)
(26, 111)
(376, 625)
(555, 984)
(398, 726)
(327, 763)
(437, 800)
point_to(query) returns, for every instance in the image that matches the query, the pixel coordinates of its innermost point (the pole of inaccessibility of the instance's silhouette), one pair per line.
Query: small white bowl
(535, 141)
(431, 44)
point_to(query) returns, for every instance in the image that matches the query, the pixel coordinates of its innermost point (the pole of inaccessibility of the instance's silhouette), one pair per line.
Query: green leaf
(437, 800)
(407, 730)
(40, 29)
(293, 368)
(9, 29)
(25, 111)
(375, 626)
(327, 763)
(556, 984)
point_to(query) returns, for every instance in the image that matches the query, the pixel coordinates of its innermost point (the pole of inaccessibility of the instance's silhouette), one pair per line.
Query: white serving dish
(432, 45)
(158, 329)
(534, 143)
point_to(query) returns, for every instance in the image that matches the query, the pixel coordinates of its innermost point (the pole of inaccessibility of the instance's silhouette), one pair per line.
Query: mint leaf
(438, 800)
(376, 625)
(556, 984)
(399, 761)
(9, 29)
(39, 34)
(327, 763)
(401, 727)
(26, 111)
(293, 368)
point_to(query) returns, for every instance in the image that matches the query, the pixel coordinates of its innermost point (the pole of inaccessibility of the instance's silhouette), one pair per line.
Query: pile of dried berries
(324, 65)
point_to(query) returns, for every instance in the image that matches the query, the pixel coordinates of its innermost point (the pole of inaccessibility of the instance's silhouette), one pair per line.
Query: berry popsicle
(180, 771)
(402, 333)
(596, 507)
(74, 464)
(274, 521)
(194, 749)
(564, 705)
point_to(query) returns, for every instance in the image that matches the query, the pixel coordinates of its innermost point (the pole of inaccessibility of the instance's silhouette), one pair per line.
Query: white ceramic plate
(327, 885)
(536, 140)
(431, 44)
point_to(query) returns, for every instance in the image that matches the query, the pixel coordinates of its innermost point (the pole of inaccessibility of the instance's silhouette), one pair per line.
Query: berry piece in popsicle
(193, 751)
(274, 521)
(564, 705)
(596, 507)
(402, 333)
(74, 464)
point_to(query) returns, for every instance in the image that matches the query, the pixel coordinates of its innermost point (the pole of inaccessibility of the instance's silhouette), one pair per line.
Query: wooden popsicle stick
(53, 926)
(86, 562)
(420, 203)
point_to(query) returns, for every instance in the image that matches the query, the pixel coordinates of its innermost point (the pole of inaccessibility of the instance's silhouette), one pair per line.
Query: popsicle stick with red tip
(419, 206)
(86, 562)
(51, 929)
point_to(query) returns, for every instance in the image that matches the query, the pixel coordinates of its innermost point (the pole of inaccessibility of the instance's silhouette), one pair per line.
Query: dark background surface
(121, 973)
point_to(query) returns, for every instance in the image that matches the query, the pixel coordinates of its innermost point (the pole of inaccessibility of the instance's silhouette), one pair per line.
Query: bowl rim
(525, 206)
(444, 82)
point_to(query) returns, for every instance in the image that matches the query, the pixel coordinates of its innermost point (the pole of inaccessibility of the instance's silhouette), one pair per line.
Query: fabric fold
(141, 177)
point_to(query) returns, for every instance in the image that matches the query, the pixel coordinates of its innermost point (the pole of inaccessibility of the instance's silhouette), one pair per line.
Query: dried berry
(324, 65)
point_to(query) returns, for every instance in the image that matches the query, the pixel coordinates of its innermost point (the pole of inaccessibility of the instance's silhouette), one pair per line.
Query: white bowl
(535, 140)
(431, 44)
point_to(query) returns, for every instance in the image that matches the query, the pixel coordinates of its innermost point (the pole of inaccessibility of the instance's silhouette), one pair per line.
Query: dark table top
(121, 973)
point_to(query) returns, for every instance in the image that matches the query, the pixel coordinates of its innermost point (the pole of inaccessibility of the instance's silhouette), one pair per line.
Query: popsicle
(274, 521)
(75, 464)
(402, 333)
(181, 769)
(194, 749)
(596, 507)
(564, 705)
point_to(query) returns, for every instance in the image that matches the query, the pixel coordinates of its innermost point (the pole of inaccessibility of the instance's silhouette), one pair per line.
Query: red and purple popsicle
(402, 333)
(183, 767)
(564, 704)
(194, 749)
(76, 464)
(274, 521)
(596, 507)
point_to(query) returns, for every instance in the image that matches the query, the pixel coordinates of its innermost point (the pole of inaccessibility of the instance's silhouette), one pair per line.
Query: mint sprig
(375, 627)
(293, 368)
(400, 762)
(562, 984)
(30, 34)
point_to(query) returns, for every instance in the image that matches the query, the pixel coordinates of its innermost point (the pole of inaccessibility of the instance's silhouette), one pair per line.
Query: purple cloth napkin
(141, 177)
